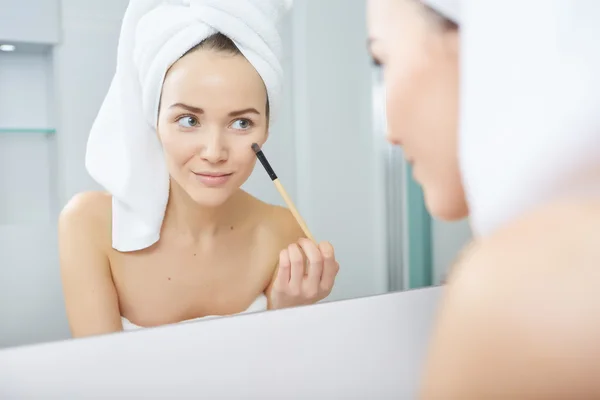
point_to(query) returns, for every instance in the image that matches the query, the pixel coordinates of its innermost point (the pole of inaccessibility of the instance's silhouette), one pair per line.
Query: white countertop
(367, 348)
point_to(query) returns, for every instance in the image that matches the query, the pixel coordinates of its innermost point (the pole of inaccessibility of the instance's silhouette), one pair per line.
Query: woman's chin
(210, 197)
(445, 205)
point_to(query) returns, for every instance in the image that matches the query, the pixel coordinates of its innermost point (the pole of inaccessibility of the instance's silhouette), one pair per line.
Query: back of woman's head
(528, 119)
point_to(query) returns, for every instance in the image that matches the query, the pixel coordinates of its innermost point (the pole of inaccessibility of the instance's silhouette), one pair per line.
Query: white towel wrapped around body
(124, 154)
(529, 130)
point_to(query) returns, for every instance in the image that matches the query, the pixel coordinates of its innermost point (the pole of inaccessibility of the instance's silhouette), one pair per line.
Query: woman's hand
(303, 279)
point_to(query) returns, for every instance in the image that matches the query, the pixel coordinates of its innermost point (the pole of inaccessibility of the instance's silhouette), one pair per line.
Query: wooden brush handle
(293, 209)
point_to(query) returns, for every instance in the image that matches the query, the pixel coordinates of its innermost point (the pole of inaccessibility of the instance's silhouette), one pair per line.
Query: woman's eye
(242, 124)
(187, 122)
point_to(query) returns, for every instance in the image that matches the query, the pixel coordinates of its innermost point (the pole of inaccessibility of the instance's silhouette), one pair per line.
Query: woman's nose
(214, 149)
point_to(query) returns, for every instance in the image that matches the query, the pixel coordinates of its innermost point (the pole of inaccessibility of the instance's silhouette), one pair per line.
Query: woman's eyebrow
(193, 109)
(244, 111)
(198, 110)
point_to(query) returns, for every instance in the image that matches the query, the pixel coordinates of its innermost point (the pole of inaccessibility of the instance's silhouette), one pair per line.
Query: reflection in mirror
(219, 248)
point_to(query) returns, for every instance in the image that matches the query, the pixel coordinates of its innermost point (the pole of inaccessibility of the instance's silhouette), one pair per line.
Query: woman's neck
(186, 218)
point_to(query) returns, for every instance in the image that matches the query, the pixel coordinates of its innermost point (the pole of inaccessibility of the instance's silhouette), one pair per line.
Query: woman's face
(420, 63)
(213, 107)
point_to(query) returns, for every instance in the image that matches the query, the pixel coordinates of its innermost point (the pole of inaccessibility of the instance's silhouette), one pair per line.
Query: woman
(520, 316)
(127, 259)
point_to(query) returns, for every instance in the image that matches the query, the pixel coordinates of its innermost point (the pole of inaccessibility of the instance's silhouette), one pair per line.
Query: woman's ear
(267, 122)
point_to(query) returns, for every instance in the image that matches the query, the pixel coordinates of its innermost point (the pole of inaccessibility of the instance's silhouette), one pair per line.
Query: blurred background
(57, 58)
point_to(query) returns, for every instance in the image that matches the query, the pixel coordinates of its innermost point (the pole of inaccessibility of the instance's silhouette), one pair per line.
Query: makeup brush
(263, 160)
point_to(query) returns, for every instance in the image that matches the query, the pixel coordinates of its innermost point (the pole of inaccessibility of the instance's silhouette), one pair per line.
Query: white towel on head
(530, 106)
(448, 8)
(124, 154)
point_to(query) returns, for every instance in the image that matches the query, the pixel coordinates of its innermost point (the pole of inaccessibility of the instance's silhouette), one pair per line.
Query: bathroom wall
(30, 297)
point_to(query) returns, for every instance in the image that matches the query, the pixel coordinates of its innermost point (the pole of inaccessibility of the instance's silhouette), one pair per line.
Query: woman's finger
(297, 269)
(327, 249)
(330, 267)
(315, 265)
(282, 280)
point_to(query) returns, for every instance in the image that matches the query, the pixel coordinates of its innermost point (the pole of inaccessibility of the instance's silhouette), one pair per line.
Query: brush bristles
(263, 160)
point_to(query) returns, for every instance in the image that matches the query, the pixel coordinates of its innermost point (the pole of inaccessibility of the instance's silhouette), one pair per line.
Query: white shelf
(17, 131)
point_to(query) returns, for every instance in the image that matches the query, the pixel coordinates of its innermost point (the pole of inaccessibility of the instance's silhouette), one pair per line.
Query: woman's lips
(212, 179)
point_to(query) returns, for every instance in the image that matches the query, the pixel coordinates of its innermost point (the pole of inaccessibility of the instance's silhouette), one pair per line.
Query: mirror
(327, 147)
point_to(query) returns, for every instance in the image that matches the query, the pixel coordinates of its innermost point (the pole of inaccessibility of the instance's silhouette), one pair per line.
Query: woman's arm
(520, 318)
(90, 295)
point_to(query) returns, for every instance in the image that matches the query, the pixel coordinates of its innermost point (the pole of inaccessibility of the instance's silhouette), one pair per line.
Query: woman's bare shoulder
(280, 222)
(274, 222)
(553, 236)
(88, 213)
(90, 295)
(518, 317)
